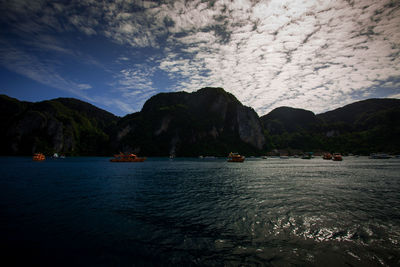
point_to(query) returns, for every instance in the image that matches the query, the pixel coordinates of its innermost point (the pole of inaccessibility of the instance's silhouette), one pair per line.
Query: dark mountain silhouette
(207, 122)
(287, 119)
(362, 127)
(62, 125)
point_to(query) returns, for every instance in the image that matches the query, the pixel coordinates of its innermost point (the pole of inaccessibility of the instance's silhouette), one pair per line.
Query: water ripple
(196, 212)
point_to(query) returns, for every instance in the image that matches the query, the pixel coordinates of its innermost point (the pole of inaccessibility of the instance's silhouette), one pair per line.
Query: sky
(116, 54)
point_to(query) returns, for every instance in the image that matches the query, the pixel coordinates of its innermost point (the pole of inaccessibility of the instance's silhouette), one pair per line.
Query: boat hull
(236, 160)
(38, 157)
(128, 160)
(337, 157)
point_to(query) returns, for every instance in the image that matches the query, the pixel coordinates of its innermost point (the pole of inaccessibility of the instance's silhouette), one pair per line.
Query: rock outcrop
(63, 125)
(206, 122)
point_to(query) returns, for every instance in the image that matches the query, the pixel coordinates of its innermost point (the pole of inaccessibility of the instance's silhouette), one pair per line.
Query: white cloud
(28, 65)
(307, 54)
(84, 86)
(395, 96)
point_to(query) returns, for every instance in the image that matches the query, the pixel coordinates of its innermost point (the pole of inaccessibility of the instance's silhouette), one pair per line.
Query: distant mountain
(63, 125)
(362, 127)
(360, 111)
(287, 119)
(207, 122)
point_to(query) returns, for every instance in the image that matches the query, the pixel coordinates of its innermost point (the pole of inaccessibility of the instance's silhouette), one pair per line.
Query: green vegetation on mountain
(64, 125)
(207, 122)
(363, 127)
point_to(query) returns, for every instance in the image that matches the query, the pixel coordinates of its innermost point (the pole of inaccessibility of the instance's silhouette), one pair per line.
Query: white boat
(379, 156)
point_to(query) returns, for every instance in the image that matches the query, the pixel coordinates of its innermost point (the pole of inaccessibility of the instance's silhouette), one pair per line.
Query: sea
(87, 211)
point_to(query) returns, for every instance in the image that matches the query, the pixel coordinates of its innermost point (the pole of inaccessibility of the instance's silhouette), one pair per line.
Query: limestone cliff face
(34, 131)
(207, 122)
(250, 129)
(66, 126)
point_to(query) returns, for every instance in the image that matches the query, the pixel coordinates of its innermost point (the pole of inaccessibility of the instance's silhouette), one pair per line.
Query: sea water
(280, 212)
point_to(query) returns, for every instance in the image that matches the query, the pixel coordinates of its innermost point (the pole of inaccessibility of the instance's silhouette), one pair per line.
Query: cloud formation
(316, 55)
(39, 70)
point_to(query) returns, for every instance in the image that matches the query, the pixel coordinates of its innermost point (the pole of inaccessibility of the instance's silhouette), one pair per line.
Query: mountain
(287, 119)
(209, 121)
(62, 125)
(358, 112)
(362, 127)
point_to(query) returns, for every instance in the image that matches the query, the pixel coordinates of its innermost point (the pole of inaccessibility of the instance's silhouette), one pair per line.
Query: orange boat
(38, 157)
(337, 157)
(235, 157)
(327, 156)
(127, 158)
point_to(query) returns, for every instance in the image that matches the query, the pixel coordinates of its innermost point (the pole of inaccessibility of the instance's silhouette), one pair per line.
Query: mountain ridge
(209, 121)
(361, 127)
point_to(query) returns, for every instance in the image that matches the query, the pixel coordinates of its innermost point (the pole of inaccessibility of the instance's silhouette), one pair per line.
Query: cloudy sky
(115, 54)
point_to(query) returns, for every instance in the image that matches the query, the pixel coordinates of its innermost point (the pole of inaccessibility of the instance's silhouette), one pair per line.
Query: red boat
(235, 157)
(127, 158)
(327, 156)
(38, 157)
(337, 157)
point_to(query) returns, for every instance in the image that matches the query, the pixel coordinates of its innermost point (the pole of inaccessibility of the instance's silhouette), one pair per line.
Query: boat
(38, 157)
(337, 157)
(327, 156)
(127, 158)
(379, 156)
(307, 155)
(235, 157)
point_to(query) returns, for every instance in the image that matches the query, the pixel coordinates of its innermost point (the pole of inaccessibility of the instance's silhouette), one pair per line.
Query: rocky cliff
(63, 125)
(207, 122)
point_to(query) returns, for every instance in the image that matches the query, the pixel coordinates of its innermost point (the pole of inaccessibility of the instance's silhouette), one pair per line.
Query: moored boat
(337, 157)
(379, 156)
(38, 157)
(235, 157)
(127, 158)
(327, 156)
(307, 155)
